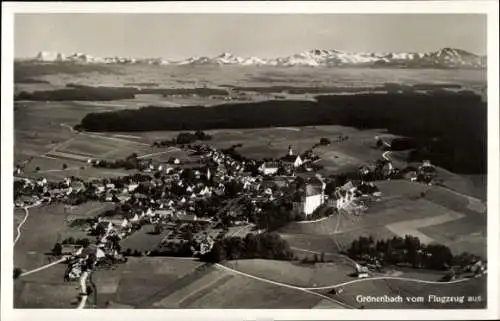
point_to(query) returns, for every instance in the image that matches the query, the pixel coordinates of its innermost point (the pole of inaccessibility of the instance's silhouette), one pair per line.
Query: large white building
(313, 197)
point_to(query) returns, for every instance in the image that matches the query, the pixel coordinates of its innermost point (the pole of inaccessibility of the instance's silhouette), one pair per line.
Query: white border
(485, 7)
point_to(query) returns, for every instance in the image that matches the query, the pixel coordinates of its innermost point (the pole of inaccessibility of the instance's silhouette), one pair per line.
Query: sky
(177, 36)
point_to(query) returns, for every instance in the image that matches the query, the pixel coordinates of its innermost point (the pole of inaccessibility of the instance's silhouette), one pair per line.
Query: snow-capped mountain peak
(442, 58)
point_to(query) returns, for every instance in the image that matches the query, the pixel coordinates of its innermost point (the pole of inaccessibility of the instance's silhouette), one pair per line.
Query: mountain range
(442, 58)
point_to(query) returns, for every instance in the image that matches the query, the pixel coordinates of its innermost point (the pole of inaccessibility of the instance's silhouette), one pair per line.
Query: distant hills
(442, 58)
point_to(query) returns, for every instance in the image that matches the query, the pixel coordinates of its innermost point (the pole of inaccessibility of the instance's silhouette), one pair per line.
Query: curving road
(387, 278)
(26, 210)
(312, 289)
(387, 155)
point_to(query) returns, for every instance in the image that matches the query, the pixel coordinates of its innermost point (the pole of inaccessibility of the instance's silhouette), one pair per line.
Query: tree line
(105, 93)
(407, 251)
(446, 128)
(264, 246)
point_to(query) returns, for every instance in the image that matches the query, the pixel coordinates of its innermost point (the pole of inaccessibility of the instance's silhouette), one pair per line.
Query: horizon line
(244, 56)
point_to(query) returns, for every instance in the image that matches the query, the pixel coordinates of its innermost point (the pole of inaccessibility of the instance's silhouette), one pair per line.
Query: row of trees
(79, 241)
(407, 251)
(183, 139)
(131, 162)
(106, 93)
(265, 246)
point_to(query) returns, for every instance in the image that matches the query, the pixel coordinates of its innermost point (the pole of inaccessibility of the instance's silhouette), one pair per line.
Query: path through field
(26, 210)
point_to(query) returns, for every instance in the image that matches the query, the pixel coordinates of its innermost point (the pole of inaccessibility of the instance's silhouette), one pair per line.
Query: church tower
(290, 150)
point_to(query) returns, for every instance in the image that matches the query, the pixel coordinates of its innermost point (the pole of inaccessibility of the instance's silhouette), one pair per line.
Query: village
(193, 205)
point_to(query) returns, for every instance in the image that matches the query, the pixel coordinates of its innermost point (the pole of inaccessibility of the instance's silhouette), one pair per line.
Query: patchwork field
(239, 292)
(440, 216)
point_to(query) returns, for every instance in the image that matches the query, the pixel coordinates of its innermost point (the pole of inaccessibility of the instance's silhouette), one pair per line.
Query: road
(387, 155)
(312, 289)
(283, 285)
(169, 150)
(388, 278)
(354, 263)
(83, 290)
(44, 266)
(26, 210)
(61, 170)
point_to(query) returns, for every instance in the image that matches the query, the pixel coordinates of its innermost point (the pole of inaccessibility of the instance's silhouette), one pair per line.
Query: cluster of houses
(40, 190)
(173, 193)
(289, 163)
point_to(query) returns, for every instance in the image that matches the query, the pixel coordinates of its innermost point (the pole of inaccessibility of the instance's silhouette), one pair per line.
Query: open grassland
(39, 234)
(311, 242)
(143, 240)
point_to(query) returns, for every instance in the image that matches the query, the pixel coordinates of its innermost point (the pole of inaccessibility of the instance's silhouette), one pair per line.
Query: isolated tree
(215, 255)
(64, 166)
(17, 272)
(324, 141)
(57, 250)
(37, 169)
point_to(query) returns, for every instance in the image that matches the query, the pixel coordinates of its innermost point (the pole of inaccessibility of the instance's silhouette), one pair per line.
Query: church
(291, 161)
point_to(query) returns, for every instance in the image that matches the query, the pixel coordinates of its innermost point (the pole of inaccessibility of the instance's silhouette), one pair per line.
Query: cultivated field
(294, 273)
(440, 216)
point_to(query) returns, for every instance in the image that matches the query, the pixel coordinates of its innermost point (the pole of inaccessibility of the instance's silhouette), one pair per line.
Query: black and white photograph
(250, 160)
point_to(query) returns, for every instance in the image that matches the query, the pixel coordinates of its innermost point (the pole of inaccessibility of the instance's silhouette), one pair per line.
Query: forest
(450, 129)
